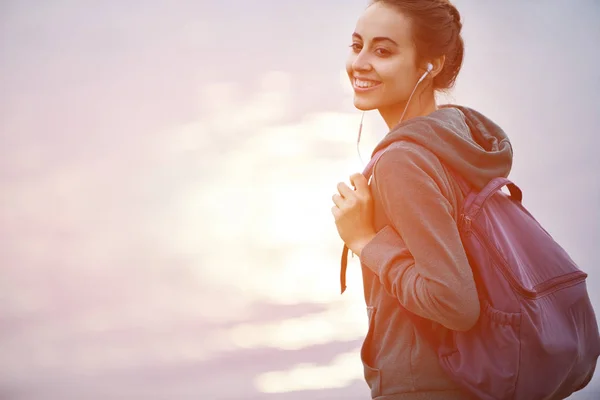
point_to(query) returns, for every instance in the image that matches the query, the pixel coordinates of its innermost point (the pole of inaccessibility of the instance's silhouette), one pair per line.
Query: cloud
(337, 323)
(340, 373)
(133, 245)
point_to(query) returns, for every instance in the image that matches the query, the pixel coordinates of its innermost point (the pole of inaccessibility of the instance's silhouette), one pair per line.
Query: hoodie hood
(463, 139)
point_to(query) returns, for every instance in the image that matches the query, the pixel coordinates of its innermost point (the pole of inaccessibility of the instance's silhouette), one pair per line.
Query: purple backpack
(537, 336)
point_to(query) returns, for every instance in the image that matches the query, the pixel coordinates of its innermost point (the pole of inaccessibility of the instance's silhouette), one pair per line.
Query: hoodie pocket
(372, 375)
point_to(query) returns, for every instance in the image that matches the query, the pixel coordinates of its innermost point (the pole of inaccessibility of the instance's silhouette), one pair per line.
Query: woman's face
(382, 62)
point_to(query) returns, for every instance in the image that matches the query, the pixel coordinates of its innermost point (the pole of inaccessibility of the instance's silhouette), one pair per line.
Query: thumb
(359, 181)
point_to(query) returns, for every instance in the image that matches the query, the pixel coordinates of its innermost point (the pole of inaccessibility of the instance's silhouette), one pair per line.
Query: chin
(364, 104)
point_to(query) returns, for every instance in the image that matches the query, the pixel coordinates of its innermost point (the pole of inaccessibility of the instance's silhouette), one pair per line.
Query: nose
(361, 62)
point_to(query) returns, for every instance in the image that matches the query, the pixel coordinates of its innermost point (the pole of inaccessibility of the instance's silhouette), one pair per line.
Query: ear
(438, 65)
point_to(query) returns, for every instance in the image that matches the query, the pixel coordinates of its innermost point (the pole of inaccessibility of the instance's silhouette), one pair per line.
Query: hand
(353, 212)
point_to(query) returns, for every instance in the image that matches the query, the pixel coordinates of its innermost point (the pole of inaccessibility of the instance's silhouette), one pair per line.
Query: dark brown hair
(436, 31)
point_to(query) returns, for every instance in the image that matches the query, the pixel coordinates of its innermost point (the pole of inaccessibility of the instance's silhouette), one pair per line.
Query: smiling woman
(408, 226)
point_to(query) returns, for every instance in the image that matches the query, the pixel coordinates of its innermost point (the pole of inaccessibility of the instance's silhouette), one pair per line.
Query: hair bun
(454, 14)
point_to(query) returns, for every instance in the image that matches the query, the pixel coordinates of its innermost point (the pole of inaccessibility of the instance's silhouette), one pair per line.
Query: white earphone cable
(358, 140)
(429, 69)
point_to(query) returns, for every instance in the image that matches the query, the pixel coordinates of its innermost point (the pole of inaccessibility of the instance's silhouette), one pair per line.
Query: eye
(355, 47)
(382, 52)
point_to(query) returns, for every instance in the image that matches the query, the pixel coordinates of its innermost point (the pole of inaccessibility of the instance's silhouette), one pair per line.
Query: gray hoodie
(417, 257)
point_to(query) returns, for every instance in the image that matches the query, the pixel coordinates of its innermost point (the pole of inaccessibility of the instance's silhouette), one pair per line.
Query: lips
(361, 84)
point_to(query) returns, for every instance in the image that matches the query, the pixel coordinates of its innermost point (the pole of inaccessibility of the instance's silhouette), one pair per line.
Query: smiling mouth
(361, 85)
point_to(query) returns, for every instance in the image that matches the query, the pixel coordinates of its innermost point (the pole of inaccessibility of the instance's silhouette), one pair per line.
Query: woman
(404, 226)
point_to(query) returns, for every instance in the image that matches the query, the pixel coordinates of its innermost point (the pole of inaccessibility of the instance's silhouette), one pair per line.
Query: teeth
(364, 84)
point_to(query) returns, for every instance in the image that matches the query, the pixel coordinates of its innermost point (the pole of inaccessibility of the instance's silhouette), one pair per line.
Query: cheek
(399, 77)
(392, 70)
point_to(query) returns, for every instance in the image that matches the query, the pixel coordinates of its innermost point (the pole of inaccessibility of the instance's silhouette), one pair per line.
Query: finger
(337, 200)
(345, 190)
(336, 212)
(359, 181)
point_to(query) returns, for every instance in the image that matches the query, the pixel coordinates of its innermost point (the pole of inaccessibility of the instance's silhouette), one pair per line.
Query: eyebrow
(376, 39)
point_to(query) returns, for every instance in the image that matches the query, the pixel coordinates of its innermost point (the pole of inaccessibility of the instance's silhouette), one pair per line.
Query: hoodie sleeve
(419, 258)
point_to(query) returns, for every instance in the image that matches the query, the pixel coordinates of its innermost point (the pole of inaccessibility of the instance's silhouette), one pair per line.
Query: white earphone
(429, 69)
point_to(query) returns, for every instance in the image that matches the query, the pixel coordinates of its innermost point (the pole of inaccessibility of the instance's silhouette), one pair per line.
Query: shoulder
(405, 159)
(410, 178)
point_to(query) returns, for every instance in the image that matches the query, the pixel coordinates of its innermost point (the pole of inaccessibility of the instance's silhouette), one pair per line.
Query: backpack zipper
(538, 291)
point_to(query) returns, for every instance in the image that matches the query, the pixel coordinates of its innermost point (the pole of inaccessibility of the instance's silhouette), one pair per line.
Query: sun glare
(275, 192)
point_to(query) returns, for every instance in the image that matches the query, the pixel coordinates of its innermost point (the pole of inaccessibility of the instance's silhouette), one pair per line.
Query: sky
(166, 172)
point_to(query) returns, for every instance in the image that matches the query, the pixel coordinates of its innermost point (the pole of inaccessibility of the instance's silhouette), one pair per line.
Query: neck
(421, 104)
